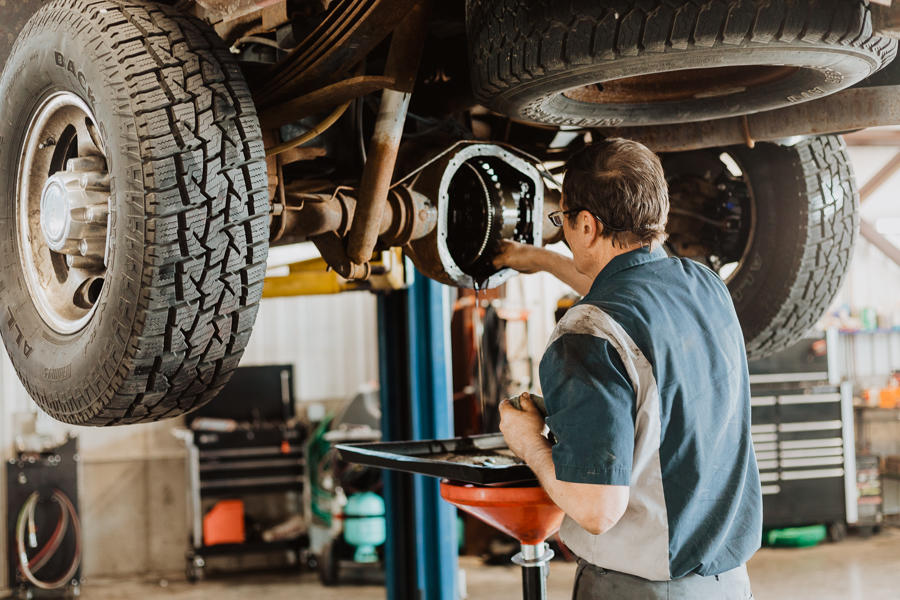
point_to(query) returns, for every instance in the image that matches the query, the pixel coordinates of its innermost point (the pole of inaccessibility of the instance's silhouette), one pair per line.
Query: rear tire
(187, 231)
(796, 229)
(608, 63)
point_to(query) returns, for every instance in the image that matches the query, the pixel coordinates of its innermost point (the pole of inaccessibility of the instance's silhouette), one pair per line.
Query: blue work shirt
(646, 385)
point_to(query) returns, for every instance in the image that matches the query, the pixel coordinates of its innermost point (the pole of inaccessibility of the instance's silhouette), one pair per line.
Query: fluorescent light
(732, 166)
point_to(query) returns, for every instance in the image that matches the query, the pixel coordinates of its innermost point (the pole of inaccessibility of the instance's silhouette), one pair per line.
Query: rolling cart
(258, 450)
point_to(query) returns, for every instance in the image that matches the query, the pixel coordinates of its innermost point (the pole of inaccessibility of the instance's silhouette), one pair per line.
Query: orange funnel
(526, 513)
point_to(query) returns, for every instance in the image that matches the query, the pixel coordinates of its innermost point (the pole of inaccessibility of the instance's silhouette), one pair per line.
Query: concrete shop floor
(855, 569)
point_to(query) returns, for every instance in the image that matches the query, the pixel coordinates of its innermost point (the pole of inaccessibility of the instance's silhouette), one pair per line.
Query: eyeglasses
(556, 217)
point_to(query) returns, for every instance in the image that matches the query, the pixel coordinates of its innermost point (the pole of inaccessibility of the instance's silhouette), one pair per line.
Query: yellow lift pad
(390, 271)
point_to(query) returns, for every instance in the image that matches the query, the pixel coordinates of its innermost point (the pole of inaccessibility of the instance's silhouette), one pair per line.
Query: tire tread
(824, 246)
(624, 28)
(206, 205)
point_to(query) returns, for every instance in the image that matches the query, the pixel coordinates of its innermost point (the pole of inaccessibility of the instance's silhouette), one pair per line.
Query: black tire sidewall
(80, 366)
(523, 55)
(826, 70)
(761, 285)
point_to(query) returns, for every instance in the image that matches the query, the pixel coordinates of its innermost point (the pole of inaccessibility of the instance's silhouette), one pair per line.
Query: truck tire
(608, 63)
(778, 225)
(133, 211)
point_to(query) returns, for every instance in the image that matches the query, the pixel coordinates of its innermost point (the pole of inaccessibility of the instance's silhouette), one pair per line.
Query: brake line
(311, 134)
(698, 217)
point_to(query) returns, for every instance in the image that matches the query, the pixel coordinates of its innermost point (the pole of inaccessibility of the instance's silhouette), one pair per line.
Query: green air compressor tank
(364, 525)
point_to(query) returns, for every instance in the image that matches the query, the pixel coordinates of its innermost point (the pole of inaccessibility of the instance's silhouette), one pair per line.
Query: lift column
(416, 399)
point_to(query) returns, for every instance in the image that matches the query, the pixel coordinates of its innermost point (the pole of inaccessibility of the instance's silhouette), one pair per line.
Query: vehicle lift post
(421, 553)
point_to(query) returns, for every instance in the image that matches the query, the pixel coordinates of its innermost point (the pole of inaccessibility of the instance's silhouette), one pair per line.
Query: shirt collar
(633, 258)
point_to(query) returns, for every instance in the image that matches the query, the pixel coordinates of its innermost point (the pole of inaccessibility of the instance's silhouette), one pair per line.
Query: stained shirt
(646, 385)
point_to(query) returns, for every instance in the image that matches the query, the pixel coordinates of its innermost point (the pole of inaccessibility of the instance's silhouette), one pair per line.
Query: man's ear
(590, 227)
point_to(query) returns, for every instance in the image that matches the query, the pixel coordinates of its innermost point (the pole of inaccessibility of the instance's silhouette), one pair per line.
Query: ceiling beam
(870, 233)
(879, 178)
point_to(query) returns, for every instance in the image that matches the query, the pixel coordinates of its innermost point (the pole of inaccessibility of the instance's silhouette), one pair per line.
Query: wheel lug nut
(92, 213)
(92, 246)
(95, 180)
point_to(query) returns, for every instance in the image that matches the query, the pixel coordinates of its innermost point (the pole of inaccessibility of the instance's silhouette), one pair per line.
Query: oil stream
(478, 331)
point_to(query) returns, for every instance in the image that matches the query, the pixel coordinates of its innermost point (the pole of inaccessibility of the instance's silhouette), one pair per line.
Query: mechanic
(647, 392)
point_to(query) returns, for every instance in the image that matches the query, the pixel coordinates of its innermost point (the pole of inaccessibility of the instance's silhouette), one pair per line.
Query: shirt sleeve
(590, 409)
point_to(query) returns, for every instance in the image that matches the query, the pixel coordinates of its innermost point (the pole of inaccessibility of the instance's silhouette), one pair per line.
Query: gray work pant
(596, 583)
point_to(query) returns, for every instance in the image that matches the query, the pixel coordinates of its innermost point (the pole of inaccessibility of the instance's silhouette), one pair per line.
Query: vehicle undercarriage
(153, 151)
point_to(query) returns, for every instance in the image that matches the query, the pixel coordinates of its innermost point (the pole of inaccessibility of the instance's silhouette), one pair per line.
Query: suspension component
(450, 215)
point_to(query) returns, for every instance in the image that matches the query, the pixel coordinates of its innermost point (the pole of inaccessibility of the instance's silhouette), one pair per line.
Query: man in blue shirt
(647, 392)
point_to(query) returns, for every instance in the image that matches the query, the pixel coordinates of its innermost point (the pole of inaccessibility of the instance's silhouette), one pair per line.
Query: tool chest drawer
(804, 447)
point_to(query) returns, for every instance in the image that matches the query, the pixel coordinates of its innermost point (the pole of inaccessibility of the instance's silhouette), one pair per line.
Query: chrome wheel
(62, 208)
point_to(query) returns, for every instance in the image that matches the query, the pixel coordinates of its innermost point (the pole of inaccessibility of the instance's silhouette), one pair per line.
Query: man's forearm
(563, 268)
(540, 459)
(595, 507)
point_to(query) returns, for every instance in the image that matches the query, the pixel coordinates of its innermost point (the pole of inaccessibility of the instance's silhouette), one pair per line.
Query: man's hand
(524, 258)
(522, 428)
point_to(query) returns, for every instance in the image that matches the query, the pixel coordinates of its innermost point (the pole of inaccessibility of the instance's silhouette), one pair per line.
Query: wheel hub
(711, 218)
(681, 85)
(74, 211)
(54, 213)
(63, 204)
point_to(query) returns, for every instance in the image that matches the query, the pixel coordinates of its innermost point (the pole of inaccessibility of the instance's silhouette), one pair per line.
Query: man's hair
(621, 182)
